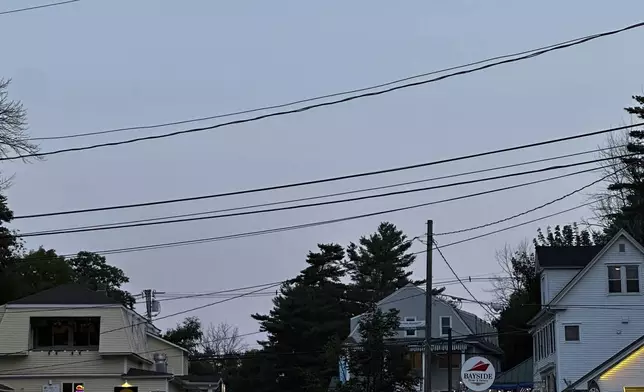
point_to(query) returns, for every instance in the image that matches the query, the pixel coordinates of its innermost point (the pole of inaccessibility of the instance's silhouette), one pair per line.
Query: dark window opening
(65, 333)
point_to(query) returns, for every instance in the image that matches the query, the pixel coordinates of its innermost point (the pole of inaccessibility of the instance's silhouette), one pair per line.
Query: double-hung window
(623, 278)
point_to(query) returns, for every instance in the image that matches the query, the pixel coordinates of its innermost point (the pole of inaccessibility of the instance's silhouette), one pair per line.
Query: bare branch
(14, 138)
(222, 339)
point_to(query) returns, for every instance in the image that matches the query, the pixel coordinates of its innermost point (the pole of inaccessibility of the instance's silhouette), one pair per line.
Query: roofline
(562, 293)
(60, 306)
(610, 362)
(512, 368)
(167, 342)
(126, 377)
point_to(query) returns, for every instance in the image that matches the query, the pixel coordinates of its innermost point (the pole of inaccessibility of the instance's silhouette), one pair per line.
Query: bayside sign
(477, 373)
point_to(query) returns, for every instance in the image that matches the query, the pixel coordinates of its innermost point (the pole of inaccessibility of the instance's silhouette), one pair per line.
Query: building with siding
(588, 334)
(471, 335)
(68, 336)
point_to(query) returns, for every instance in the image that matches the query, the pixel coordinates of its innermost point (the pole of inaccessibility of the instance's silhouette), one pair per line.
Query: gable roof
(169, 343)
(68, 294)
(565, 256)
(609, 363)
(584, 271)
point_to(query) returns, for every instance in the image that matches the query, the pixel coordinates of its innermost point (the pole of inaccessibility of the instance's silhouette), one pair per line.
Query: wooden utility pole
(449, 360)
(427, 380)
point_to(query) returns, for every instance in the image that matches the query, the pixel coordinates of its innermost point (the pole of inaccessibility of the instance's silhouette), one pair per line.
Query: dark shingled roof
(133, 372)
(68, 294)
(5, 388)
(566, 256)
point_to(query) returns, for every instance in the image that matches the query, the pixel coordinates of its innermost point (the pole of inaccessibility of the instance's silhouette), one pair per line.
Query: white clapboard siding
(101, 384)
(41, 362)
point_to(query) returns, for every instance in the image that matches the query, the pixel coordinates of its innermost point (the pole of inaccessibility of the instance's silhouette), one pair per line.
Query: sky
(95, 65)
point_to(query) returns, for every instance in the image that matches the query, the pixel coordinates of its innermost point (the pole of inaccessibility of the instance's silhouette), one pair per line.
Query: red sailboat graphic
(480, 366)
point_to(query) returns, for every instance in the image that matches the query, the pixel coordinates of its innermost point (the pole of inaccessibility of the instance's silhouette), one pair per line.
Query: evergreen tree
(374, 365)
(379, 265)
(630, 216)
(307, 315)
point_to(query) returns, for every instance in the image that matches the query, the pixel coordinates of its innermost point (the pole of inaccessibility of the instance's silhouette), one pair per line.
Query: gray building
(472, 336)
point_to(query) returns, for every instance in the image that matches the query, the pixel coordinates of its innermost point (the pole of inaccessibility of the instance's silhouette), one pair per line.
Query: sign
(412, 324)
(51, 388)
(477, 373)
(79, 388)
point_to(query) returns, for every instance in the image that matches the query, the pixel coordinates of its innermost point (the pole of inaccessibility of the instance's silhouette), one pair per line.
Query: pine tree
(374, 365)
(307, 316)
(631, 215)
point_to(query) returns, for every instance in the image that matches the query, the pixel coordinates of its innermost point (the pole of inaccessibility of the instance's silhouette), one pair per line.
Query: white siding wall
(603, 331)
(102, 384)
(627, 375)
(175, 356)
(555, 280)
(40, 362)
(15, 327)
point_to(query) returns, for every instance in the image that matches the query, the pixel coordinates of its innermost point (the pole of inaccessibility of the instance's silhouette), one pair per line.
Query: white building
(471, 335)
(590, 332)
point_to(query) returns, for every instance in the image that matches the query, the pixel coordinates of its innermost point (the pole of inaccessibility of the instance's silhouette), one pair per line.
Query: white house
(71, 339)
(589, 333)
(471, 335)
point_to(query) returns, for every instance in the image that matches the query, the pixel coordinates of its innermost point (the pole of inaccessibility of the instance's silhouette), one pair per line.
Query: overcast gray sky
(94, 65)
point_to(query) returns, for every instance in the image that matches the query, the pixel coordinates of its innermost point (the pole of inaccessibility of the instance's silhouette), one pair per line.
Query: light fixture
(126, 385)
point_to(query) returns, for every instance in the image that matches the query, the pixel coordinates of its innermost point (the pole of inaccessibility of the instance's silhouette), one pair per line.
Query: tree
(187, 334)
(374, 365)
(308, 314)
(13, 125)
(221, 350)
(379, 265)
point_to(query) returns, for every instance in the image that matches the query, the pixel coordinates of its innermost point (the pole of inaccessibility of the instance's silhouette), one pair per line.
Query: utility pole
(449, 360)
(148, 303)
(427, 380)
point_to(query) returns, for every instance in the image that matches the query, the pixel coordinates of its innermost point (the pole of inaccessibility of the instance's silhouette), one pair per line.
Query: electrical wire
(331, 103)
(201, 213)
(440, 252)
(37, 7)
(530, 210)
(332, 179)
(312, 224)
(310, 99)
(323, 203)
(514, 226)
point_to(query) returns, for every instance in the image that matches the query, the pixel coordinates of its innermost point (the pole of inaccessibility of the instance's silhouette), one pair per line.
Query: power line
(38, 7)
(314, 224)
(311, 99)
(335, 102)
(440, 252)
(281, 202)
(515, 226)
(530, 210)
(170, 201)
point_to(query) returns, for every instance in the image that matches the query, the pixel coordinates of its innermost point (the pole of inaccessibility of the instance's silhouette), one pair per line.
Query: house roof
(201, 378)
(68, 294)
(5, 388)
(566, 256)
(610, 362)
(134, 372)
(166, 342)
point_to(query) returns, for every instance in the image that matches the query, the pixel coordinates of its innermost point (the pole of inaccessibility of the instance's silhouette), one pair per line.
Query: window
(410, 331)
(544, 341)
(73, 387)
(622, 248)
(65, 333)
(446, 325)
(571, 333)
(543, 289)
(442, 361)
(623, 279)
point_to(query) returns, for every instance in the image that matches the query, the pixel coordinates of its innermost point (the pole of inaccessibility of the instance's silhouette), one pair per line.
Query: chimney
(160, 362)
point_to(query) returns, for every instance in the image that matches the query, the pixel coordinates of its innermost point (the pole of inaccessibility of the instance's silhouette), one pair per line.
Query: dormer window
(68, 333)
(623, 279)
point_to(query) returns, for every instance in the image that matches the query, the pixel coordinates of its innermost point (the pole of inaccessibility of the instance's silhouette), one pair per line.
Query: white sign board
(477, 373)
(412, 324)
(51, 388)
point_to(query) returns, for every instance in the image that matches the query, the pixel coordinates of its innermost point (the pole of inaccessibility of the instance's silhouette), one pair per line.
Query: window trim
(440, 320)
(414, 331)
(623, 279)
(578, 325)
